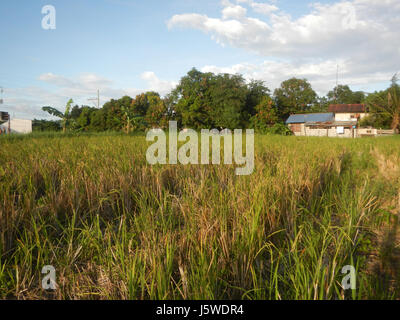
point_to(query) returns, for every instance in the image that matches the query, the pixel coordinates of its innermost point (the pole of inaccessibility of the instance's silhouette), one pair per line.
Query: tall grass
(116, 228)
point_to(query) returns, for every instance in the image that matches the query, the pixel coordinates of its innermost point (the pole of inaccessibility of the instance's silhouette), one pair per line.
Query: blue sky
(128, 46)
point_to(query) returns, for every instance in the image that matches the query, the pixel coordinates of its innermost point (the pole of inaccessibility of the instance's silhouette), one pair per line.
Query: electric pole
(337, 82)
(96, 100)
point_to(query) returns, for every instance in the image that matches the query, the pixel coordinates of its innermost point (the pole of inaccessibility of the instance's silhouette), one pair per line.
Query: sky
(125, 47)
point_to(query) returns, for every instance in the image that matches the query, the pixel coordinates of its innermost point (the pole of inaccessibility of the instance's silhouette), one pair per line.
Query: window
(340, 130)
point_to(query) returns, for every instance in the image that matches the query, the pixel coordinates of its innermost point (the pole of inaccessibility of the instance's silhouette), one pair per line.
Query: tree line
(208, 100)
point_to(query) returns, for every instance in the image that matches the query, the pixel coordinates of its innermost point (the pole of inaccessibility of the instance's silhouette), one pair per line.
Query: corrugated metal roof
(311, 117)
(347, 108)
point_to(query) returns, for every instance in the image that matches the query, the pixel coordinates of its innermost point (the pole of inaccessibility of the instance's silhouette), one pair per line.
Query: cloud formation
(27, 102)
(360, 35)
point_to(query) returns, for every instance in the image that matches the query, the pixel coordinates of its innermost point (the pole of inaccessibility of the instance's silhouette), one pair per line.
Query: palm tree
(65, 117)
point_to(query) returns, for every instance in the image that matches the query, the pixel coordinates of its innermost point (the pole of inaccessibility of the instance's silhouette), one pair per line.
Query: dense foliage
(384, 107)
(208, 100)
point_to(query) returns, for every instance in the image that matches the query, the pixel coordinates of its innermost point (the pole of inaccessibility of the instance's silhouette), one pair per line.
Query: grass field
(116, 228)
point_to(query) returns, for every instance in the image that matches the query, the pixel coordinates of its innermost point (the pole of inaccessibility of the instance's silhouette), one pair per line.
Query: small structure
(16, 126)
(299, 123)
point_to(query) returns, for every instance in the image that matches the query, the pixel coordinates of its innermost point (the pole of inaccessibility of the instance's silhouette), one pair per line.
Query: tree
(257, 92)
(114, 117)
(150, 110)
(386, 104)
(342, 94)
(65, 117)
(192, 104)
(266, 115)
(83, 121)
(157, 112)
(45, 125)
(227, 96)
(206, 100)
(294, 96)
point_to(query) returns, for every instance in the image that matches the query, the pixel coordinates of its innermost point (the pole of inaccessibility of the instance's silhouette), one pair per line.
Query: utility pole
(96, 100)
(337, 82)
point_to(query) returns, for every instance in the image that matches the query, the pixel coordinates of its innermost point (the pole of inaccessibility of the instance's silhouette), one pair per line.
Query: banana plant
(65, 117)
(132, 121)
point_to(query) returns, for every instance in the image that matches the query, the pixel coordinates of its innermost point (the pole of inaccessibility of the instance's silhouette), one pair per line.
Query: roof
(311, 117)
(347, 108)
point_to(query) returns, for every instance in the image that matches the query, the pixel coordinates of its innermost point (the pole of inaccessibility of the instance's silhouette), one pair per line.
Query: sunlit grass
(116, 228)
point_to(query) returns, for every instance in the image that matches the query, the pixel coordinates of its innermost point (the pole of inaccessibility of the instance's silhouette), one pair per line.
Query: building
(320, 125)
(17, 126)
(341, 121)
(348, 112)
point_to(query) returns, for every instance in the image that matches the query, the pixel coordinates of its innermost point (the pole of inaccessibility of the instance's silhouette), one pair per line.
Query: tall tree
(227, 98)
(342, 94)
(294, 96)
(192, 104)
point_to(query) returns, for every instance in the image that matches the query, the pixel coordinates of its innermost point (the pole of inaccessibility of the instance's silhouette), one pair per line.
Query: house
(320, 125)
(17, 126)
(348, 112)
(298, 122)
(341, 121)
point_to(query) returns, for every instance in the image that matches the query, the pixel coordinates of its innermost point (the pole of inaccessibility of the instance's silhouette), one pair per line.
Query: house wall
(331, 132)
(297, 129)
(18, 126)
(349, 116)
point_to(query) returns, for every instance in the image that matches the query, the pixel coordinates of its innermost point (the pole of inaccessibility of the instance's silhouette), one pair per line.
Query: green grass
(116, 228)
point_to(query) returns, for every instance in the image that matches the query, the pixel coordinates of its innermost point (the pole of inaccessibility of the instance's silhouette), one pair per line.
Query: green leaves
(64, 116)
(294, 96)
(385, 105)
(53, 112)
(342, 94)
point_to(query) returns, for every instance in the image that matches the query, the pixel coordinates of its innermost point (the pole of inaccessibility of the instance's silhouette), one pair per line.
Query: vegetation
(116, 228)
(65, 117)
(342, 94)
(206, 100)
(295, 96)
(385, 107)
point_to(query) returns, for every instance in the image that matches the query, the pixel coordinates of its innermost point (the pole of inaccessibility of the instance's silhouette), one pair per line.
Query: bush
(277, 128)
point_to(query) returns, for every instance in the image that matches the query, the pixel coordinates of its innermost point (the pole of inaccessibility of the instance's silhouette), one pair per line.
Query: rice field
(115, 227)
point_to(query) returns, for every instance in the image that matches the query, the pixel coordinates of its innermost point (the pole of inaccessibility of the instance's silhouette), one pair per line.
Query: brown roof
(347, 108)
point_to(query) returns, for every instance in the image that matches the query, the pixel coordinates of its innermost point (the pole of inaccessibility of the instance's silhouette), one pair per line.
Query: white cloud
(234, 12)
(155, 84)
(27, 102)
(360, 35)
(263, 8)
(322, 75)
